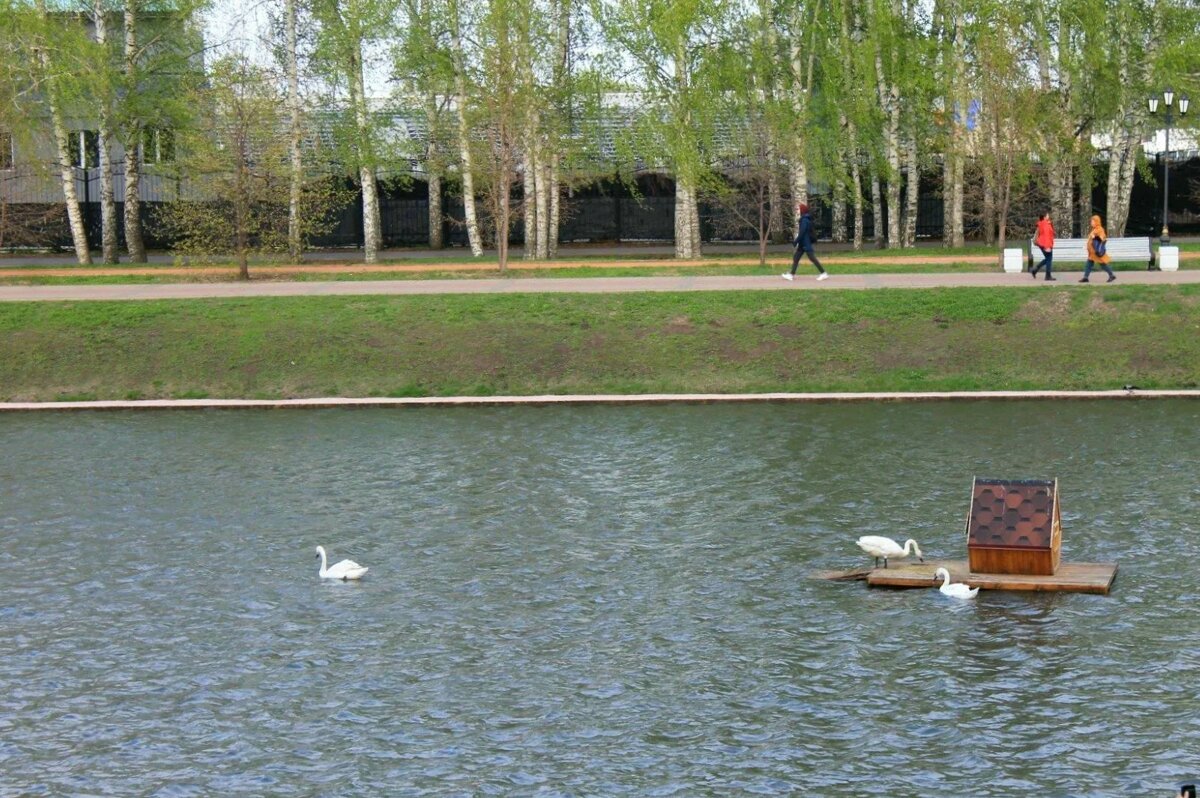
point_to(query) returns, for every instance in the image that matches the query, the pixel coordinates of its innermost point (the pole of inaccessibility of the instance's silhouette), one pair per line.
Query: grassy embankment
(945, 339)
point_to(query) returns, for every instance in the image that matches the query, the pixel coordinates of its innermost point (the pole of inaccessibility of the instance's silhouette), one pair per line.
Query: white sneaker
(823, 276)
(788, 277)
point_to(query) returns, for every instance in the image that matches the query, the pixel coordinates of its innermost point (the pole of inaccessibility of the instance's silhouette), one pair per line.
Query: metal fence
(33, 194)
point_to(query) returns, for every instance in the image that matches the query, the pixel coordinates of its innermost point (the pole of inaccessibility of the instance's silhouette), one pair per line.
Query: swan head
(915, 548)
(320, 552)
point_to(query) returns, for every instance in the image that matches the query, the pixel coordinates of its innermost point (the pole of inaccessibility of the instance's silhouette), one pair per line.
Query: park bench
(1074, 250)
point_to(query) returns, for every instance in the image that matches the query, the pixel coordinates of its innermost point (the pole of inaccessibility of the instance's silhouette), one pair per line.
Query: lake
(570, 601)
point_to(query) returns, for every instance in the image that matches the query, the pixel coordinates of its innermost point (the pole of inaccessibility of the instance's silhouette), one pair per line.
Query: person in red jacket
(1045, 242)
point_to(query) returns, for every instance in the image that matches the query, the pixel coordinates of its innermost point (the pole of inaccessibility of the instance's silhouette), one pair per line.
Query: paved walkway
(571, 285)
(566, 251)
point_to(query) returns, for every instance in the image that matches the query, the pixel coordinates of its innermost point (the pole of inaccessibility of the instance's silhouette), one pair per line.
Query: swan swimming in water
(887, 548)
(346, 569)
(956, 590)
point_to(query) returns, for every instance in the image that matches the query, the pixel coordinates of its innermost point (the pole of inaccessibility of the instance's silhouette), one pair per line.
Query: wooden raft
(1077, 577)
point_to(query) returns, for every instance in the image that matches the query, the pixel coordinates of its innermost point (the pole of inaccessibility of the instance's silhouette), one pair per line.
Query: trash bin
(1168, 259)
(1013, 261)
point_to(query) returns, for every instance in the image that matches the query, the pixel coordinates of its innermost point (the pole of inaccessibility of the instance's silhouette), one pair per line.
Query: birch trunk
(957, 235)
(989, 207)
(913, 189)
(850, 39)
(774, 191)
(562, 85)
(433, 168)
(839, 215)
(1122, 160)
(63, 146)
(775, 197)
(685, 211)
(889, 103)
(695, 225)
(133, 140)
(241, 210)
(464, 136)
(555, 208)
(1059, 175)
(686, 222)
(529, 196)
(956, 104)
(1084, 206)
(295, 246)
(1122, 163)
(436, 239)
(856, 199)
(801, 81)
(877, 234)
(798, 175)
(366, 171)
(541, 187)
(104, 137)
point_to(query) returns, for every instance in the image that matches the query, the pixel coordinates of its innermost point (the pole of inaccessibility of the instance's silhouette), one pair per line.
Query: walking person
(804, 245)
(1096, 251)
(1045, 242)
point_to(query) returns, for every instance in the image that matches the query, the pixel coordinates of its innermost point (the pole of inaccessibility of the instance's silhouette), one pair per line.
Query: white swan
(956, 590)
(887, 548)
(346, 569)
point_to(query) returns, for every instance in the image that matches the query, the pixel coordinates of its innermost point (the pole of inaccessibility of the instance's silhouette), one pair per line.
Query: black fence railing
(584, 218)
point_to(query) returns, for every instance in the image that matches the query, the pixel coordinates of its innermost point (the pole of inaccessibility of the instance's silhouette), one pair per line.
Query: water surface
(586, 601)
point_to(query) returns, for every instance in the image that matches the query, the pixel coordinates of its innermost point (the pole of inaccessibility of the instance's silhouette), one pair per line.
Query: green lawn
(747, 341)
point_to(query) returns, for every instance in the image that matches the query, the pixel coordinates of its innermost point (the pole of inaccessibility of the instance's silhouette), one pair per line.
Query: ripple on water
(570, 601)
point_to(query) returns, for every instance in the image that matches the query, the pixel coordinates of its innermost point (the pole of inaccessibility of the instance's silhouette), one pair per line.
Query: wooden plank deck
(1076, 577)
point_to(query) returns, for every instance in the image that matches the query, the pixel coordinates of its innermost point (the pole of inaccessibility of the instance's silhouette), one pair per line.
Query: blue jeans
(1047, 260)
(1087, 269)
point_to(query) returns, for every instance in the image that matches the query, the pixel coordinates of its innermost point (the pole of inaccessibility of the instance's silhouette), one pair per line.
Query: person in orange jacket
(1045, 242)
(1095, 236)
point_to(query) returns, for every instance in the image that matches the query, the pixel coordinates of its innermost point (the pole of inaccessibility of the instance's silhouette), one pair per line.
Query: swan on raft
(956, 590)
(346, 569)
(888, 549)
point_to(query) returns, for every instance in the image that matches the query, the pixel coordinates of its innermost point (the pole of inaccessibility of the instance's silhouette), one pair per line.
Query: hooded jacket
(804, 236)
(1097, 231)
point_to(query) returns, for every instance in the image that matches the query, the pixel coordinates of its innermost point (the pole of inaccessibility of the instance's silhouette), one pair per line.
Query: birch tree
(295, 130)
(956, 111)
(677, 47)
(132, 130)
(807, 24)
(348, 31)
(104, 86)
(466, 164)
(424, 69)
(161, 64)
(52, 46)
(507, 105)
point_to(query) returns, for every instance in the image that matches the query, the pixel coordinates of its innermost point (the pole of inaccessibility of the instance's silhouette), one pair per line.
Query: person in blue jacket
(804, 245)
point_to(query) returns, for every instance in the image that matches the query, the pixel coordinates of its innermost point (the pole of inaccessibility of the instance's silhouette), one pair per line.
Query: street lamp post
(1168, 100)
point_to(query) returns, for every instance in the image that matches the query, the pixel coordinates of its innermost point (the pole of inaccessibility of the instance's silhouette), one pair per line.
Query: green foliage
(233, 171)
